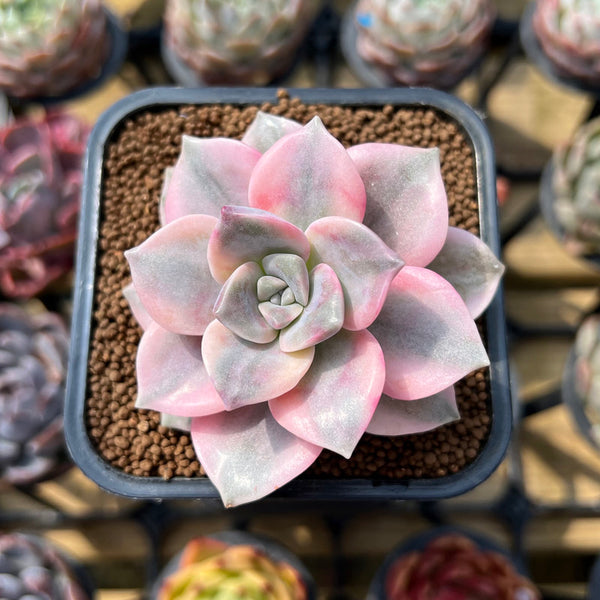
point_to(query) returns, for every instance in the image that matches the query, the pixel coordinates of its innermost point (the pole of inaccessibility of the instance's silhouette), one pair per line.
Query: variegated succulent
(40, 189)
(423, 42)
(587, 371)
(33, 361)
(569, 34)
(294, 282)
(48, 47)
(576, 189)
(248, 42)
(453, 567)
(209, 568)
(32, 569)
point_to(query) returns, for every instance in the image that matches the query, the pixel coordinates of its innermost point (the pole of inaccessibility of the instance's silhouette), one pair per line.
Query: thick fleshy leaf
(140, 314)
(245, 373)
(209, 174)
(291, 269)
(406, 200)
(287, 297)
(237, 306)
(471, 267)
(171, 376)
(162, 217)
(266, 129)
(268, 286)
(334, 402)
(364, 265)
(171, 275)
(308, 175)
(279, 316)
(249, 234)
(323, 316)
(175, 422)
(403, 417)
(428, 337)
(247, 454)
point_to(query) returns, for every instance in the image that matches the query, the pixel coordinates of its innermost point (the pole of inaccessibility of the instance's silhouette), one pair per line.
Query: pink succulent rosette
(299, 294)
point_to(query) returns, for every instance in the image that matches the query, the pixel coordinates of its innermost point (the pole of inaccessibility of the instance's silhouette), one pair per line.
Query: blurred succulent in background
(587, 371)
(48, 47)
(576, 189)
(40, 188)
(213, 569)
(423, 42)
(454, 568)
(247, 42)
(569, 34)
(33, 362)
(31, 569)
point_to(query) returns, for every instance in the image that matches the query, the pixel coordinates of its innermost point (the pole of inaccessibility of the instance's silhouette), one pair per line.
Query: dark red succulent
(40, 189)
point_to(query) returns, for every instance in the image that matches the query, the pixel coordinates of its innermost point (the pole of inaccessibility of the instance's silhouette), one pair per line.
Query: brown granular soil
(137, 155)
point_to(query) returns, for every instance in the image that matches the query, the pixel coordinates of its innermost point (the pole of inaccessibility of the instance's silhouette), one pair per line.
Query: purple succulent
(33, 358)
(40, 188)
(299, 294)
(31, 569)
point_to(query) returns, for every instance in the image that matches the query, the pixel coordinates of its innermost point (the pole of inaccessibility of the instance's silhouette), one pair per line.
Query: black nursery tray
(85, 453)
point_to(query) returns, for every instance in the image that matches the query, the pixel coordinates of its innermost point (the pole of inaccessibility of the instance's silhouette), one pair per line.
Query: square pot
(498, 406)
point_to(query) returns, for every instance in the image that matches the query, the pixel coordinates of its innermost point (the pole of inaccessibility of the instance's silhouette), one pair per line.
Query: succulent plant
(33, 360)
(40, 188)
(247, 42)
(31, 569)
(576, 189)
(209, 568)
(453, 567)
(569, 34)
(587, 371)
(423, 42)
(276, 318)
(48, 47)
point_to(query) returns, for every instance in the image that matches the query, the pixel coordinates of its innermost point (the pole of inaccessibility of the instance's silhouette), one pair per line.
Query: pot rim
(117, 481)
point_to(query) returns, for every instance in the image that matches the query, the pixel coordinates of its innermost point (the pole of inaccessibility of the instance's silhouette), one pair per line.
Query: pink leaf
(171, 376)
(237, 306)
(247, 454)
(249, 234)
(140, 314)
(406, 201)
(323, 316)
(334, 402)
(404, 417)
(364, 265)
(428, 337)
(266, 129)
(279, 316)
(162, 217)
(171, 275)
(471, 267)
(291, 269)
(245, 373)
(209, 174)
(307, 175)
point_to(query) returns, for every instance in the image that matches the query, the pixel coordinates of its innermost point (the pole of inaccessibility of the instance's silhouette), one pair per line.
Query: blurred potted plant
(30, 567)
(416, 42)
(234, 42)
(450, 563)
(234, 564)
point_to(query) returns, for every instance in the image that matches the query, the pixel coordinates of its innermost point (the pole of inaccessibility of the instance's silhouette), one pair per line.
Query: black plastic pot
(117, 481)
(419, 542)
(538, 57)
(271, 548)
